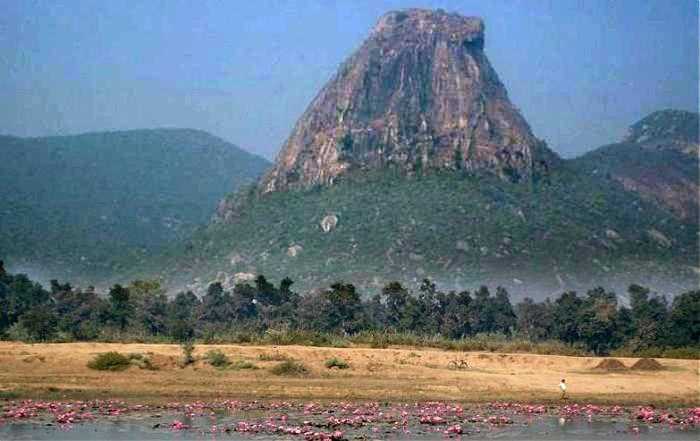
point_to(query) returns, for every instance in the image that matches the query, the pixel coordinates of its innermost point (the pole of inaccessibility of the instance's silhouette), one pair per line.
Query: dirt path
(59, 370)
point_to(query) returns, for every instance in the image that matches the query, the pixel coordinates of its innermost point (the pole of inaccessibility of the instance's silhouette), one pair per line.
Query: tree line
(595, 320)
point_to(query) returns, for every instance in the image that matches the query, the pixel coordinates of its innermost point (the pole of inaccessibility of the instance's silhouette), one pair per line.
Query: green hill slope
(82, 207)
(574, 231)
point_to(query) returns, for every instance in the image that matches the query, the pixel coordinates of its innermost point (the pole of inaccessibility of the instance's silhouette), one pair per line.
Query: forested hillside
(83, 206)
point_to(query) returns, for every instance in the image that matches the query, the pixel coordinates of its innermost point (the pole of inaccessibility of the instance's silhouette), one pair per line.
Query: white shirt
(562, 386)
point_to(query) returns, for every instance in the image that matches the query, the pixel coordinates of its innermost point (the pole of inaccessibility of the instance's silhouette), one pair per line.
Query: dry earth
(394, 374)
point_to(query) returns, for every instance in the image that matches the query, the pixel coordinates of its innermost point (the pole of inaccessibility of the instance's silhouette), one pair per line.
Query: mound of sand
(611, 364)
(647, 364)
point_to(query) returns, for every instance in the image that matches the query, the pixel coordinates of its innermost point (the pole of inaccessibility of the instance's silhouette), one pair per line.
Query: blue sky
(580, 71)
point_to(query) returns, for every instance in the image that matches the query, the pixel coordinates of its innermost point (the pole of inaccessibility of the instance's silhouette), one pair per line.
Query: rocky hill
(411, 163)
(419, 93)
(82, 207)
(657, 160)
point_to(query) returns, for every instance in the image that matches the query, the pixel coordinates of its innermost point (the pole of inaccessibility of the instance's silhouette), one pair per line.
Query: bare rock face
(294, 250)
(419, 93)
(243, 277)
(667, 130)
(660, 238)
(666, 170)
(328, 223)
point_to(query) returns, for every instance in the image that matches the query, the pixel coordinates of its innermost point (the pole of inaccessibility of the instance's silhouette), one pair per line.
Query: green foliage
(40, 323)
(122, 308)
(685, 352)
(290, 368)
(458, 159)
(217, 359)
(109, 361)
(187, 349)
(106, 201)
(684, 320)
(336, 362)
(268, 314)
(462, 230)
(345, 143)
(17, 332)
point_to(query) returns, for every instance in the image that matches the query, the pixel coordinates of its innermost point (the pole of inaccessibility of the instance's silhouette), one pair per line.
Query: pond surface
(233, 420)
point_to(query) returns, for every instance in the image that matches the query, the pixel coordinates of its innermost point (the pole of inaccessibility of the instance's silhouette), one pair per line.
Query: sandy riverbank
(393, 374)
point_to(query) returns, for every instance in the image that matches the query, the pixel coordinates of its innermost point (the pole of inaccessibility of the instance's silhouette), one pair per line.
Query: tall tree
(150, 301)
(182, 314)
(455, 323)
(396, 298)
(649, 316)
(78, 312)
(217, 306)
(40, 322)
(121, 307)
(598, 320)
(341, 308)
(503, 315)
(565, 314)
(684, 320)
(481, 317)
(534, 320)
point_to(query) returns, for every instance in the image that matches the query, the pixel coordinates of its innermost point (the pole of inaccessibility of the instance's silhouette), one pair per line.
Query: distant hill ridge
(86, 205)
(658, 160)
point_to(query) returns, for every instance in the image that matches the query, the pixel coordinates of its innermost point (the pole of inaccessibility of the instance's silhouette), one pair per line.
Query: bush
(217, 359)
(687, 352)
(243, 364)
(142, 361)
(336, 362)
(187, 351)
(17, 332)
(290, 368)
(109, 361)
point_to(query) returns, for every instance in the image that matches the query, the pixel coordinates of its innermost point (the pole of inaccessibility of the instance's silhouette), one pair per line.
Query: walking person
(562, 388)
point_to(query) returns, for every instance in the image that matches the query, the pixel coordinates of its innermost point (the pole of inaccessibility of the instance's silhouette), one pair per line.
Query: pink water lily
(178, 425)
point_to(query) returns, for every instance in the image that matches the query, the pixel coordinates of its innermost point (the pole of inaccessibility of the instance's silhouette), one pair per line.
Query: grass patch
(217, 359)
(290, 368)
(142, 361)
(337, 363)
(9, 395)
(275, 356)
(243, 364)
(109, 361)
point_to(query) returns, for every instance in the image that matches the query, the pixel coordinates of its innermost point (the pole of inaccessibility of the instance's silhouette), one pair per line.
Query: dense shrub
(290, 368)
(336, 362)
(217, 359)
(109, 361)
(187, 354)
(686, 352)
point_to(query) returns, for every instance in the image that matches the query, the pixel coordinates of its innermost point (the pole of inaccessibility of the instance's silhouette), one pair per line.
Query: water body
(145, 427)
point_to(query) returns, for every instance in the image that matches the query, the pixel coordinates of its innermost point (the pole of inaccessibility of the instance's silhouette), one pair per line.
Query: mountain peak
(419, 93)
(666, 127)
(411, 23)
